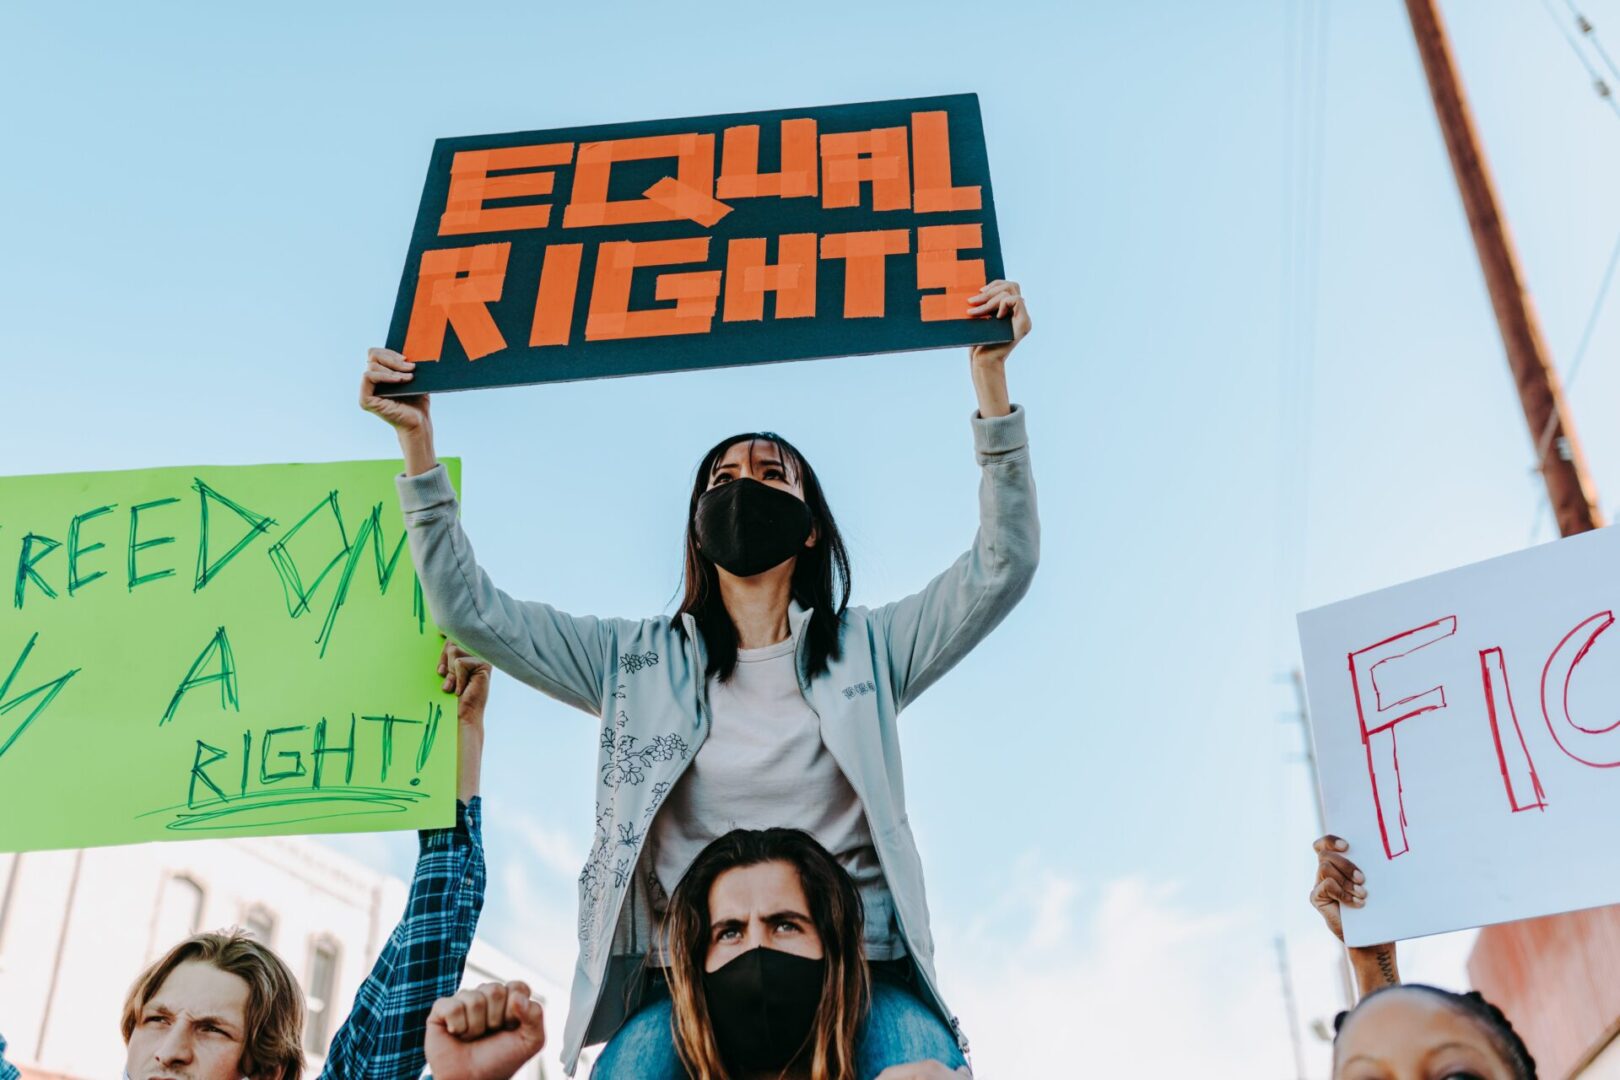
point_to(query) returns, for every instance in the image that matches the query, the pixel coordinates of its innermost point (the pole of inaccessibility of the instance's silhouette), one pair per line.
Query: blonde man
(217, 1007)
(221, 1006)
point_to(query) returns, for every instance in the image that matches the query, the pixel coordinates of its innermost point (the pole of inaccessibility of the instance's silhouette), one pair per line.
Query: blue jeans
(899, 1030)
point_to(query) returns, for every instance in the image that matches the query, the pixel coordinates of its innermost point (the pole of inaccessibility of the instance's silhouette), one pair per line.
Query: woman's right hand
(1340, 882)
(406, 415)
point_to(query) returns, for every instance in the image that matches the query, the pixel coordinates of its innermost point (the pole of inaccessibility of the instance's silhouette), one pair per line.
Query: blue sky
(208, 210)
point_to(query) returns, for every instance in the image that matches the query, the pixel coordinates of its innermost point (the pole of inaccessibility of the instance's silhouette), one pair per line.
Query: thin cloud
(1123, 979)
(555, 849)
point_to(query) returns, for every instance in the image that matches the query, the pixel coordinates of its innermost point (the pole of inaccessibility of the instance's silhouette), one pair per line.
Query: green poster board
(215, 651)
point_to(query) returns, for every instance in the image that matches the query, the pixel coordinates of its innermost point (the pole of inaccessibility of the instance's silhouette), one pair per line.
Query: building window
(321, 986)
(260, 923)
(180, 908)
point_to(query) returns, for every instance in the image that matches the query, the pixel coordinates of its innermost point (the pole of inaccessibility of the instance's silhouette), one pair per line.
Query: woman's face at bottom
(1412, 1035)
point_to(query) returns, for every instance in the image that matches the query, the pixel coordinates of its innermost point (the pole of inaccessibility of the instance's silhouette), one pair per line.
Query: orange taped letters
(554, 301)
(792, 278)
(471, 186)
(590, 205)
(864, 255)
(454, 288)
(939, 268)
(740, 177)
(878, 156)
(931, 146)
(695, 293)
(686, 202)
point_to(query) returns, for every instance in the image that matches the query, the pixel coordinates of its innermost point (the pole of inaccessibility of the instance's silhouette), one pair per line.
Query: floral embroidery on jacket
(655, 799)
(630, 663)
(628, 763)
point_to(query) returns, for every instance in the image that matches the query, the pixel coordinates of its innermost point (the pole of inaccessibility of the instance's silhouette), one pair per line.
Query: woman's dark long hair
(820, 577)
(1514, 1053)
(836, 911)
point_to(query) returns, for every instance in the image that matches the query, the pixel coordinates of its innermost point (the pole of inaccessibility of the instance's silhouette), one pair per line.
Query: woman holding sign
(1407, 1029)
(766, 701)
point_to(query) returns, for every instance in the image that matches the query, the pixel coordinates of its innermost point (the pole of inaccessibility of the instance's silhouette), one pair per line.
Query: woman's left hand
(1000, 299)
(467, 677)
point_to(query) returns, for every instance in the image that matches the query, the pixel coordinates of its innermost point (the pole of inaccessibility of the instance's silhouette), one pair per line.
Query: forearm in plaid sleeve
(422, 961)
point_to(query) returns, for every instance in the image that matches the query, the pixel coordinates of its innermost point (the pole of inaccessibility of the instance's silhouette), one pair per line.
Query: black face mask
(749, 527)
(762, 1006)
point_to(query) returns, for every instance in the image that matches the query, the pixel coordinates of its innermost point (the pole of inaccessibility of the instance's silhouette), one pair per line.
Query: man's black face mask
(762, 1006)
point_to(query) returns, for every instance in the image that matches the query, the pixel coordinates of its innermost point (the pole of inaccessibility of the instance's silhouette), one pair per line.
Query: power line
(1305, 104)
(1305, 54)
(1605, 90)
(1588, 31)
(1544, 443)
(1600, 85)
(1586, 340)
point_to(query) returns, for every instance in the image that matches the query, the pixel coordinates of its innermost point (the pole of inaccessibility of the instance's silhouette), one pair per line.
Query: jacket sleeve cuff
(467, 831)
(425, 491)
(997, 436)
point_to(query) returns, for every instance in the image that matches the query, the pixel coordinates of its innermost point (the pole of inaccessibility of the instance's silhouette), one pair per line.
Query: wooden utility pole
(1563, 466)
(1532, 968)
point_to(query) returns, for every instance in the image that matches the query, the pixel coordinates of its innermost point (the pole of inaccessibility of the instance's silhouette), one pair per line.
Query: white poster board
(1467, 731)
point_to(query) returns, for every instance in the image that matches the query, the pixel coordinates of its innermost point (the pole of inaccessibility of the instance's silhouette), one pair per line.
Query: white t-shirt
(764, 765)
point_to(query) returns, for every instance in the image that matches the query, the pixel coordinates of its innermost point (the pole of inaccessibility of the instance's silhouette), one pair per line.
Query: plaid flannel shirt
(8, 1071)
(422, 962)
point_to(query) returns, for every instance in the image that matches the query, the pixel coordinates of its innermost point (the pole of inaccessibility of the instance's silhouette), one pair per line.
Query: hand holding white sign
(1337, 883)
(1467, 728)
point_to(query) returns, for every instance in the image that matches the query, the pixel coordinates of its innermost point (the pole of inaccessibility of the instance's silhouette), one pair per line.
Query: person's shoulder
(854, 623)
(656, 631)
(639, 644)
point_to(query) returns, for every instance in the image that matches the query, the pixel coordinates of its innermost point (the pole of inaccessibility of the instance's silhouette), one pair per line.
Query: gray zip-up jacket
(645, 681)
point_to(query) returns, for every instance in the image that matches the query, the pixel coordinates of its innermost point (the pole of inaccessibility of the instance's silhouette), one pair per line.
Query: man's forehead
(201, 989)
(764, 889)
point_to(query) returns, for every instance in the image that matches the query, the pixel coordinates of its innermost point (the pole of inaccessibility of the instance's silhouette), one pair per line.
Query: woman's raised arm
(565, 656)
(1340, 881)
(926, 633)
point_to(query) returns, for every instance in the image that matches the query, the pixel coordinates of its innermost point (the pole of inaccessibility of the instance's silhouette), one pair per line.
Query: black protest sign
(672, 245)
